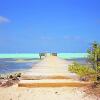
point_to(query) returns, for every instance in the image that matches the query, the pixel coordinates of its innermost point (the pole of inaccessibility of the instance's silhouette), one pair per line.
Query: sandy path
(62, 93)
(49, 66)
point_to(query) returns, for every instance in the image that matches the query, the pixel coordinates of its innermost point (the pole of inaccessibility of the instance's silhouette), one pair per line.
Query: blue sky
(28, 26)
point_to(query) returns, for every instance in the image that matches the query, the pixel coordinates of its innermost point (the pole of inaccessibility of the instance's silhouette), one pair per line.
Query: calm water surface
(14, 65)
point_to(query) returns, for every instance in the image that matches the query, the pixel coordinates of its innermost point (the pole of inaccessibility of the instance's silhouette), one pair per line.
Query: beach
(43, 93)
(49, 49)
(62, 93)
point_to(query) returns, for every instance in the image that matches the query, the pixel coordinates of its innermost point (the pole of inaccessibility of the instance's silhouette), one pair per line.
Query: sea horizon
(36, 55)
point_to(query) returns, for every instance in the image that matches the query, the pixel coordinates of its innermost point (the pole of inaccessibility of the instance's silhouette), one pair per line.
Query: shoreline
(11, 91)
(35, 61)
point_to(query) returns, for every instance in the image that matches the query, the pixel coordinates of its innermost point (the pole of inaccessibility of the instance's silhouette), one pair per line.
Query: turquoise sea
(36, 55)
(18, 62)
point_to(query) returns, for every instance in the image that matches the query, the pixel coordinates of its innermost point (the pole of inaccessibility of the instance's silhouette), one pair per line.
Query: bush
(82, 71)
(10, 76)
(18, 75)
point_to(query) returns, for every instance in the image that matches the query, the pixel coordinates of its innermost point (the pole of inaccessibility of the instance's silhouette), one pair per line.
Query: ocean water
(13, 65)
(36, 55)
(18, 62)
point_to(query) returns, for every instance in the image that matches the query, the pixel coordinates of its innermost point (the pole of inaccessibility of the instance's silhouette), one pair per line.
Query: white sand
(55, 66)
(50, 66)
(58, 93)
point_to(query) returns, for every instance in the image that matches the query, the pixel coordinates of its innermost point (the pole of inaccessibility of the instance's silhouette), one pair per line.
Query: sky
(32, 26)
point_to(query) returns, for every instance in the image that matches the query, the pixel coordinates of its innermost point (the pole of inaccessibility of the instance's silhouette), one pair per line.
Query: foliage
(94, 55)
(18, 74)
(94, 58)
(10, 76)
(81, 70)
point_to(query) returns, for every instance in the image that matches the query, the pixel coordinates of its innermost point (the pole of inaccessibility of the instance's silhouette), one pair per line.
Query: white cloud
(4, 20)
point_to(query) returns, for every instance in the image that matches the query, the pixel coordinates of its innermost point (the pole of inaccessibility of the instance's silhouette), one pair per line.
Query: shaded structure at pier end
(46, 54)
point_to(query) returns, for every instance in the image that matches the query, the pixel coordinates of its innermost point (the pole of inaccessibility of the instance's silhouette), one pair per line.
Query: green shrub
(10, 76)
(18, 75)
(98, 68)
(82, 70)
